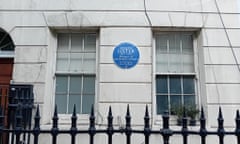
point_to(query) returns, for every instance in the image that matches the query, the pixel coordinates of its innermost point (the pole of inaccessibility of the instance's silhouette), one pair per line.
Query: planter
(192, 122)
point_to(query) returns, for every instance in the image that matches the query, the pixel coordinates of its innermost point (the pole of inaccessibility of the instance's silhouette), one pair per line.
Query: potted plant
(178, 111)
(192, 112)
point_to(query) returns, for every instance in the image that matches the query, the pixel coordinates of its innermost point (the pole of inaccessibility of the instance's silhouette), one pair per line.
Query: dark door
(6, 68)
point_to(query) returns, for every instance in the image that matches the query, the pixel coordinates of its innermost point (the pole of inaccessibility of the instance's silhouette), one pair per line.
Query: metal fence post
(92, 129)
(166, 132)
(55, 129)
(203, 131)
(110, 126)
(73, 130)
(128, 129)
(220, 130)
(36, 129)
(147, 129)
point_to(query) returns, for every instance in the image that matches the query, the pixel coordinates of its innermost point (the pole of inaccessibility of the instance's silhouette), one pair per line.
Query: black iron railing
(166, 132)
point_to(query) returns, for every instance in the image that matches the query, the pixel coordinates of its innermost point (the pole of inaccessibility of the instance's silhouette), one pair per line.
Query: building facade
(188, 53)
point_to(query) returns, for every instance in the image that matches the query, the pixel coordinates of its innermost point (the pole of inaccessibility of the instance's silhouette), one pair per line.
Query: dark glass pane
(61, 84)
(188, 85)
(76, 42)
(75, 84)
(74, 99)
(61, 102)
(88, 101)
(63, 42)
(6, 43)
(162, 104)
(175, 100)
(174, 43)
(89, 84)
(187, 43)
(161, 84)
(161, 43)
(175, 84)
(189, 100)
(90, 42)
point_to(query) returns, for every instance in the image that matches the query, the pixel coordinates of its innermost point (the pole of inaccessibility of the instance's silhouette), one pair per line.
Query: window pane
(88, 101)
(175, 84)
(61, 102)
(62, 61)
(90, 42)
(89, 62)
(162, 104)
(188, 63)
(162, 63)
(161, 84)
(189, 100)
(61, 84)
(74, 99)
(188, 85)
(187, 43)
(161, 43)
(77, 42)
(76, 62)
(89, 84)
(175, 100)
(174, 63)
(174, 44)
(75, 84)
(63, 42)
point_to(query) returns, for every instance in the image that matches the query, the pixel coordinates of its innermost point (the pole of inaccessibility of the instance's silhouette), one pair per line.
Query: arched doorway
(6, 68)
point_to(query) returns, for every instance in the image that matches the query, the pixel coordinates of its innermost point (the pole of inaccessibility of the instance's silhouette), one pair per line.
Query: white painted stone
(30, 54)
(231, 20)
(223, 93)
(211, 20)
(106, 54)
(35, 5)
(29, 72)
(214, 37)
(237, 54)
(56, 19)
(230, 6)
(39, 91)
(159, 18)
(125, 92)
(179, 5)
(101, 18)
(228, 111)
(114, 36)
(119, 110)
(112, 73)
(9, 20)
(193, 20)
(29, 36)
(213, 55)
(107, 5)
(170, 5)
(234, 35)
(222, 74)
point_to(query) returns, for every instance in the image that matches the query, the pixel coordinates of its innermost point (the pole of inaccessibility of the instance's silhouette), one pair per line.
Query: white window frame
(49, 104)
(157, 118)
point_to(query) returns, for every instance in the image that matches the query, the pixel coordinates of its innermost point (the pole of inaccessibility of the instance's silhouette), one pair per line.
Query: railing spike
(74, 110)
(146, 111)
(220, 113)
(37, 118)
(74, 118)
(128, 129)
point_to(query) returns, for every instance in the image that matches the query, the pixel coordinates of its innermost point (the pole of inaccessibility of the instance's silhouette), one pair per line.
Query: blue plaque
(125, 55)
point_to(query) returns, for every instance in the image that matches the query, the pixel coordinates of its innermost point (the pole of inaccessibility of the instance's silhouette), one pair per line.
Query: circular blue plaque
(125, 55)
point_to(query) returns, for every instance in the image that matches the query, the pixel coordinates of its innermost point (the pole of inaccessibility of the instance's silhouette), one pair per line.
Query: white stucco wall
(32, 24)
